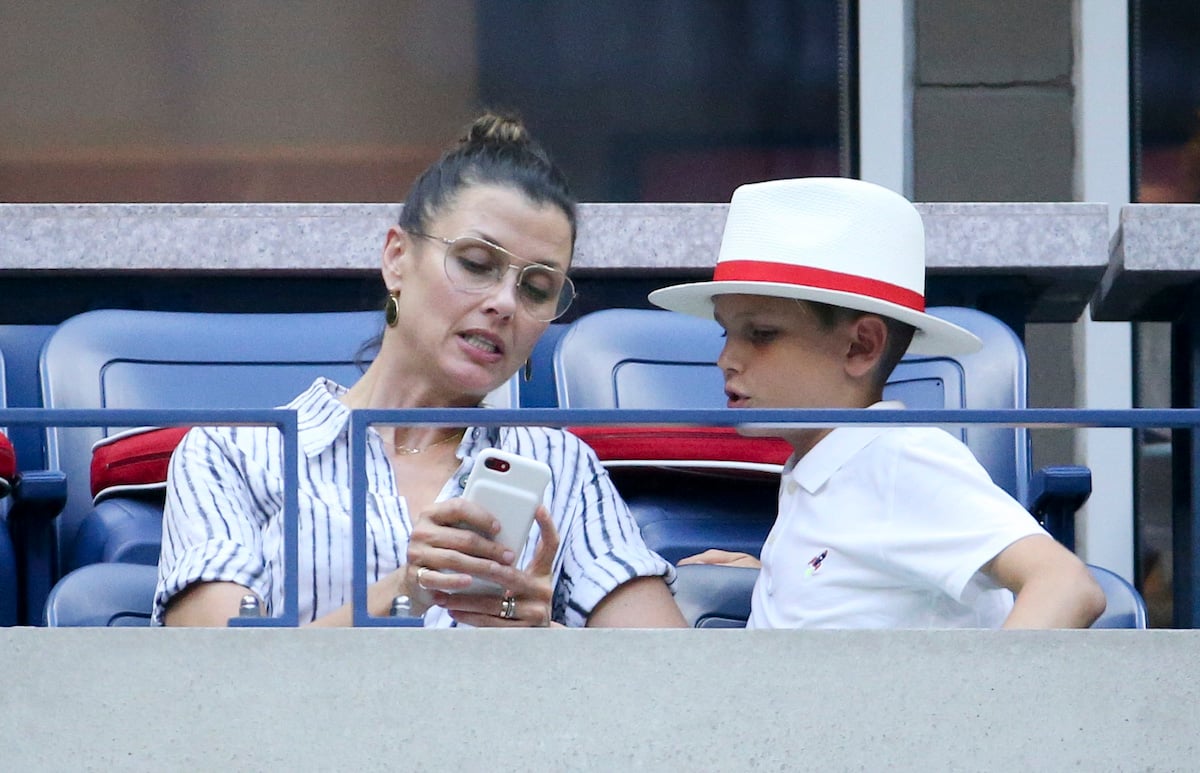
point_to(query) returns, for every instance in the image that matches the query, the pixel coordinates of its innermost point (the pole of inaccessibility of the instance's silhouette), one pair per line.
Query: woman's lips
(482, 345)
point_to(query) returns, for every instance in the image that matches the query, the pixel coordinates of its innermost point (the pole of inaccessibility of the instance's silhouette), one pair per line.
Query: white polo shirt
(887, 527)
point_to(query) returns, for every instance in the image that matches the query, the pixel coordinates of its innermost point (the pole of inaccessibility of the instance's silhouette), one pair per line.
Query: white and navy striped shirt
(223, 517)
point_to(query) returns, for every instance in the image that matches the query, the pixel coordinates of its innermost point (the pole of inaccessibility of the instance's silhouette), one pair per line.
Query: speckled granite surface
(314, 237)
(1154, 264)
(1060, 248)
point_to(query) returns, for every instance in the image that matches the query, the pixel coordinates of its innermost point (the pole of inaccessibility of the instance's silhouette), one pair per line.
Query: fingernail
(509, 556)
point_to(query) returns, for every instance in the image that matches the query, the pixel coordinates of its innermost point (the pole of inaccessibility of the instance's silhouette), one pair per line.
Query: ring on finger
(420, 577)
(508, 608)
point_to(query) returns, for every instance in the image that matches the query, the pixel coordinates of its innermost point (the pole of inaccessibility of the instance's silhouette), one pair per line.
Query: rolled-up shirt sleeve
(602, 544)
(213, 520)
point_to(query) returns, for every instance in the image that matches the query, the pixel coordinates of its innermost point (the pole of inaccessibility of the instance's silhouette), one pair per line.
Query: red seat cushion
(133, 461)
(137, 460)
(699, 447)
(8, 464)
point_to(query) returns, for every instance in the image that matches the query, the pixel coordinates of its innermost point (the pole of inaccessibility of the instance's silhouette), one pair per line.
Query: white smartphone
(510, 487)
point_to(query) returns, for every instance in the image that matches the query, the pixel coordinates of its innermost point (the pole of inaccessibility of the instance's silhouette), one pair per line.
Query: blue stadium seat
(634, 358)
(37, 495)
(711, 596)
(149, 359)
(8, 558)
(22, 347)
(113, 595)
(1126, 608)
(538, 389)
(719, 597)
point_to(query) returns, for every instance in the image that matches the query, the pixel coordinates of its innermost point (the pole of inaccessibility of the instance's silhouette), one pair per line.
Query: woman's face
(463, 344)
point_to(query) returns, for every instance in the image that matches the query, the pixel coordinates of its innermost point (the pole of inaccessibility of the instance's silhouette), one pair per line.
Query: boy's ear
(868, 338)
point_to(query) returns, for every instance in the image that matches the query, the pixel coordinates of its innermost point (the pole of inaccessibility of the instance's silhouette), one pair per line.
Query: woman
(459, 323)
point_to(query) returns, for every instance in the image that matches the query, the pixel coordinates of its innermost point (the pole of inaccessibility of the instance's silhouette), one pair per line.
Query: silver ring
(421, 571)
(508, 608)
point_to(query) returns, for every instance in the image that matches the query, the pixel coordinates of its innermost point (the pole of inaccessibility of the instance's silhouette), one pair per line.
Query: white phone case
(510, 487)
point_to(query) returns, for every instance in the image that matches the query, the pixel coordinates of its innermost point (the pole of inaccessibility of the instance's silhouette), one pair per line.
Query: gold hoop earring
(391, 312)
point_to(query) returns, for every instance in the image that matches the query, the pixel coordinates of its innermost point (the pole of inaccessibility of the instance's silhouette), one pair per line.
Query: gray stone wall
(992, 118)
(604, 700)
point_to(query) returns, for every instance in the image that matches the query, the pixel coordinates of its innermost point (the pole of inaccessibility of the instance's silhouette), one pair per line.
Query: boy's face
(777, 355)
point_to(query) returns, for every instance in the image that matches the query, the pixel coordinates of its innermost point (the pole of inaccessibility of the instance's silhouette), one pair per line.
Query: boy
(819, 286)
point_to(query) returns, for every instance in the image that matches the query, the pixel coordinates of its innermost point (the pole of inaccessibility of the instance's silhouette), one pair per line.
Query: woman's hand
(447, 537)
(528, 594)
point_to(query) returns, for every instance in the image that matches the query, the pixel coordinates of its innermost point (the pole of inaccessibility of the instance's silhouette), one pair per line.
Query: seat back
(638, 358)
(110, 595)
(538, 389)
(9, 606)
(20, 348)
(8, 558)
(1125, 606)
(712, 596)
(149, 359)
(23, 551)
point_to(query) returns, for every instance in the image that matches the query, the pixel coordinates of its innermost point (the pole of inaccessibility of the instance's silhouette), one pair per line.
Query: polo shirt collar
(834, 450)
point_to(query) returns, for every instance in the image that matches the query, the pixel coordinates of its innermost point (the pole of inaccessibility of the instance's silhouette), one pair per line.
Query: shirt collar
(322, 418)
(834, 450)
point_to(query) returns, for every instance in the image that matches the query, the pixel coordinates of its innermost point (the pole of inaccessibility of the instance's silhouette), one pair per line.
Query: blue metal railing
(286, 422)
(1043, 418)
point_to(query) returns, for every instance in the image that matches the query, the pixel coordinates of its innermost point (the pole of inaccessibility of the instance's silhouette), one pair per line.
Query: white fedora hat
(827, 239)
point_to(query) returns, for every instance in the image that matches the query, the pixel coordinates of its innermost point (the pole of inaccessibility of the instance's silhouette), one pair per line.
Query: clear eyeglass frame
(558, 295)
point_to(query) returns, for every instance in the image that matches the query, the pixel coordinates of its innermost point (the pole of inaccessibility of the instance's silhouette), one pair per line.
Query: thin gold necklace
(404, 450)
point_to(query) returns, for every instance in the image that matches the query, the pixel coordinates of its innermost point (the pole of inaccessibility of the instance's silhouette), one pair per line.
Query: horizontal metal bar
(139, 417)
(1063, 418)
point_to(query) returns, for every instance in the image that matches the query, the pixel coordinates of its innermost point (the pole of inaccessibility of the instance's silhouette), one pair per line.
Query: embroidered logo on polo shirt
(814, 564)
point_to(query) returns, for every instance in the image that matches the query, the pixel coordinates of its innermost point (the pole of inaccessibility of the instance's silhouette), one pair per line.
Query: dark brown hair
(899, 335)
(496, 149)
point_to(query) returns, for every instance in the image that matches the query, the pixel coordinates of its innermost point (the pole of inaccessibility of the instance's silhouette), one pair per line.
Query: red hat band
(817, 278)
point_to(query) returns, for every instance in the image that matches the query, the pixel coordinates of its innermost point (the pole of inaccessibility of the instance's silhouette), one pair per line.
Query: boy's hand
(722, 558)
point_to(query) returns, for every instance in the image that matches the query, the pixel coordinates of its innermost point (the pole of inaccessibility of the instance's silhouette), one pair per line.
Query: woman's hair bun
(495, 149)
(496, 129)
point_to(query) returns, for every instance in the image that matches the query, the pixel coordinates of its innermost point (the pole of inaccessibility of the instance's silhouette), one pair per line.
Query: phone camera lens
(499, 465)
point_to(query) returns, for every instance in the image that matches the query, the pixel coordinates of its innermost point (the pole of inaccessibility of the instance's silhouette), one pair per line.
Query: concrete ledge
(1154, 264)
(599, 700)
(1051, 254)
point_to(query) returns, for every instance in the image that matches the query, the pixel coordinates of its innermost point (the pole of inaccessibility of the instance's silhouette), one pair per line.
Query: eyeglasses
(476, 265)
